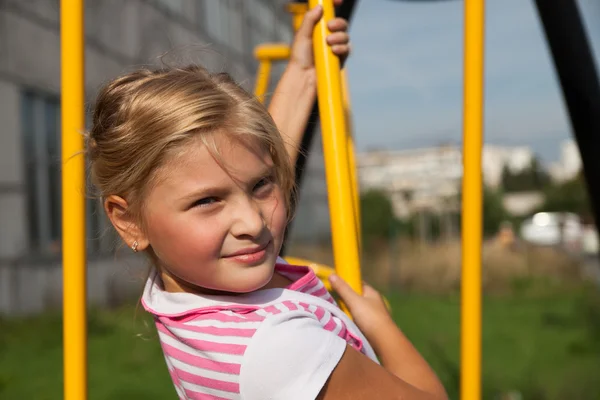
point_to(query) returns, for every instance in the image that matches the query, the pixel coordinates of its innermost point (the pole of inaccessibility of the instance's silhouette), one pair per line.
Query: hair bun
(91, 142)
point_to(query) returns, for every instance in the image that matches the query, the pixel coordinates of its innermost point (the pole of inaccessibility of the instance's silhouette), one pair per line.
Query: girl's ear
(130, 231)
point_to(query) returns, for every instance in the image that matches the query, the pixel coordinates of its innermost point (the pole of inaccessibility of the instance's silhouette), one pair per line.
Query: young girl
(194, 172)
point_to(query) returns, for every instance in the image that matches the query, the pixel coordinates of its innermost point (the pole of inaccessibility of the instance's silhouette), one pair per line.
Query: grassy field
(541, 343)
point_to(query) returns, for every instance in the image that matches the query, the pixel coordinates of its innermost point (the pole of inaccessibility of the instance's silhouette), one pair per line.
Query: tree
(493, 212)
(531, 178)
(568, 196)
(377, 216)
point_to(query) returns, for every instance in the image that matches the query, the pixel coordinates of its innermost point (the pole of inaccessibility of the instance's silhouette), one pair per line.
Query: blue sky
(405, 75)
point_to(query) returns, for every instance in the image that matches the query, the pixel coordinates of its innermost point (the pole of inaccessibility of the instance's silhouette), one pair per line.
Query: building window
(40, 116)
(41, 122)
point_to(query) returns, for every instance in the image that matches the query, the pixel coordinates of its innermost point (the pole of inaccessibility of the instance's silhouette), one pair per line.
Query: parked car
(552, 229)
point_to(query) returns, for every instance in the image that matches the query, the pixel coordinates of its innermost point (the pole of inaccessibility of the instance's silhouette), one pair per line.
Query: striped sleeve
(204, 355)
(291, 356)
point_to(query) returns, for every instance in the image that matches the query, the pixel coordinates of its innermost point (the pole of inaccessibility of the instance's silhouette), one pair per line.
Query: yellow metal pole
(351, 153)
(297, 10)
(73, 200)
(335, 148)
(262, 80)
(472, 201)
(266, 54)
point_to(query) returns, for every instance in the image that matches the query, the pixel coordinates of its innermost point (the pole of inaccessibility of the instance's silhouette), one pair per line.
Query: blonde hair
(142, 117)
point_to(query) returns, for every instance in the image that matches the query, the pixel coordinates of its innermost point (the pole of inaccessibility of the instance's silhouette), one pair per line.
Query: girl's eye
(263, 186)
(207, 201)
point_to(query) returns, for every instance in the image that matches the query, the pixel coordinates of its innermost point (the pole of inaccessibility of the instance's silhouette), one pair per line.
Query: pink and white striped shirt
(269, 344)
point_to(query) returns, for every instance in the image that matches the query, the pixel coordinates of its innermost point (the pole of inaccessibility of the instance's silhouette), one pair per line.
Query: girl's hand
(403, 373)
(369, 311)
(339, 40)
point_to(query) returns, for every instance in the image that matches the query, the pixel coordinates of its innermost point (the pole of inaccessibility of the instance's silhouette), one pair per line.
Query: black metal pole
(576, 70)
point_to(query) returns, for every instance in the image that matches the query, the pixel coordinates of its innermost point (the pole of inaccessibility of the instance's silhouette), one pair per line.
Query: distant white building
(569, 163)
(430, 178)
(414, 179)
(495, 158)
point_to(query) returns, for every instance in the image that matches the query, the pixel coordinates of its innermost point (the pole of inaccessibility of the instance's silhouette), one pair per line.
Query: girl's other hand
(368, 310)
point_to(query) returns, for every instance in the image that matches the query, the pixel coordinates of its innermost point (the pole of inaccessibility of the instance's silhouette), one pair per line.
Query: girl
(194, 172)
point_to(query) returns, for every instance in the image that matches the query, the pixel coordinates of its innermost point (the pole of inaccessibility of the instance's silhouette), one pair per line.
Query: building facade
(415, 180)
(120, 35)
(569, 163)
(495, 158)
(429, 179)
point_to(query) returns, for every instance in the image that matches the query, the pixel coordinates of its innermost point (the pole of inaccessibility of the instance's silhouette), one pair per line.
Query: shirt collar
(159, 302)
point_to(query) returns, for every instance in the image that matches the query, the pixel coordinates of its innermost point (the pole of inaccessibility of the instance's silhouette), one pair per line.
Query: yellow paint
(297, 10)
(323, 272)
(272, 52)
(266, 54)
(262, 80)
(73, 200)
(472, 201)
(335, 148)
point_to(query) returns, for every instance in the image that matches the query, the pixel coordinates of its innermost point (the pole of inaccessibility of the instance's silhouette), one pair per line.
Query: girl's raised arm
(296, 91)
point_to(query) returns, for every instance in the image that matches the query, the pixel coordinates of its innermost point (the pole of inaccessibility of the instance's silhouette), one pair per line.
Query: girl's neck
(173, 284)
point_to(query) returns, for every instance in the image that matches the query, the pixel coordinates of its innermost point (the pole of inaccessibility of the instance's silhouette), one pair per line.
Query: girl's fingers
(337, 24)
(341, 49)
(338, 38)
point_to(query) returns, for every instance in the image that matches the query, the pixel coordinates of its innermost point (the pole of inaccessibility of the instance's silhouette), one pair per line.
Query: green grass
(544, 346)
(541, 344)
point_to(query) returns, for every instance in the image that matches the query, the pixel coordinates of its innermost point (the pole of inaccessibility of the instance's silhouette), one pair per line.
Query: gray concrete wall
(30, 288)
(120, 35)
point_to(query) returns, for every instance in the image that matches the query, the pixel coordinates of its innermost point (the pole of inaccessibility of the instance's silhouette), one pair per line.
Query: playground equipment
(341, 174)
(338, 145)
(73, 195)
(340, 169)
(579, 81)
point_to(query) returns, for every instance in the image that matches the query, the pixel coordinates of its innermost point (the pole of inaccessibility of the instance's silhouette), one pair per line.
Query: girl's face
(217, 225)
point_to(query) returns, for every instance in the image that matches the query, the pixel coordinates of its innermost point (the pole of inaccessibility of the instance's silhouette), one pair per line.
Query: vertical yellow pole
(472, 201)
(297, 10)
(262, 79)
(73, 200)
(335, 148)
(351, 153)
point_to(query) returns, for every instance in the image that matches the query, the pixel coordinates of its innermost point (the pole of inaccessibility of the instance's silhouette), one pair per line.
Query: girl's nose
(248, 220)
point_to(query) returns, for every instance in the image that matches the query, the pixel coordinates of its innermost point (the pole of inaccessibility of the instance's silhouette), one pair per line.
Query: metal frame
(338, 142)
(578, 77)
(346, 11)
(579, 81)
(332, 111)
(472, 199)
(73, 198)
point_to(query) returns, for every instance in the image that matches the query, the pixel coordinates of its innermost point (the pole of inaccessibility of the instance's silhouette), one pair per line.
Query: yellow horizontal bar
(272, 52)
(73, 200)
(470, 377)
(297, 10)
(321, 270)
